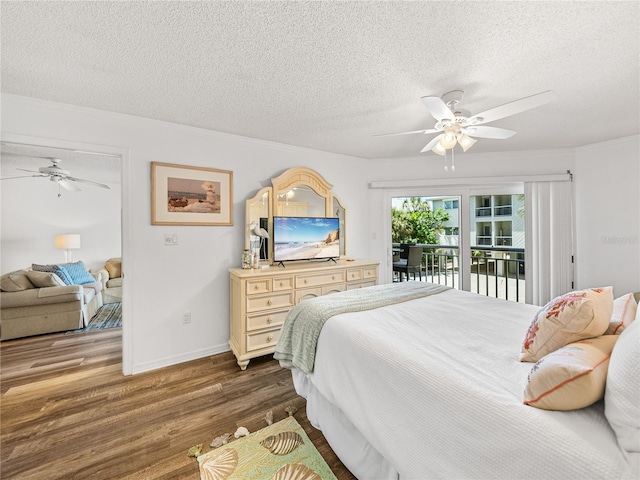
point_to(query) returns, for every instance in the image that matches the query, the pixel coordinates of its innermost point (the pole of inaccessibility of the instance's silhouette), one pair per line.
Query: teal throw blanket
(301, 329)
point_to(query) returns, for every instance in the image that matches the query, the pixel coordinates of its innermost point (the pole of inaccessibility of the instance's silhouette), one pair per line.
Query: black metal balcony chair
(412, 264)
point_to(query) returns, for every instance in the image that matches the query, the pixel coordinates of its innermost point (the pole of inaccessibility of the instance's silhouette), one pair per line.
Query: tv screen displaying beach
(297, 238)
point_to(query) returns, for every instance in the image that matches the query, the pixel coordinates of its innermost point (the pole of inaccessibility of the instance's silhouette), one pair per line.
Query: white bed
(432, 388)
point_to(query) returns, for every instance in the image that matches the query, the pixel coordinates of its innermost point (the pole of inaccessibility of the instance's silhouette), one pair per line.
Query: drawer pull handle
(281, 284)
(269, 338)
(257, 287)
(305, 280)
(269, 302)
(333, 277)
(269, 320)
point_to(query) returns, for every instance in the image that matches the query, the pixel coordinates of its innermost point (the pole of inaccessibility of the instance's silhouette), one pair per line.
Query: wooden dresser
(261, 298)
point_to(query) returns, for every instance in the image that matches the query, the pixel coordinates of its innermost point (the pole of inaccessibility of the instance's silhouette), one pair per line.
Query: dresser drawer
(371, 272)
(304, 281)
(307, 293)
(338, 287)
(282, 283)
(264, 320)
(256, 341)
(354, 275)
(268, 302)
(259, 285)
(353, 286)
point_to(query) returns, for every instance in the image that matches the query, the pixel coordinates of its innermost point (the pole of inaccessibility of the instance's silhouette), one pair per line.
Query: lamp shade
(67, 241)
(465, 141)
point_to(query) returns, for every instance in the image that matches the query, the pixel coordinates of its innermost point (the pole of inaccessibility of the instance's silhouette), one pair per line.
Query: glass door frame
(464, 192)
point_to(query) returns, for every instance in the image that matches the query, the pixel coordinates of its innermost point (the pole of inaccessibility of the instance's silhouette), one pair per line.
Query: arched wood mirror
(258, 216)
(298, 192)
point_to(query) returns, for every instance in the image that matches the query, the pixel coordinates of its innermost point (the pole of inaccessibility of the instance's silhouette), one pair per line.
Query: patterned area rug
(108, 316)
(280, 451)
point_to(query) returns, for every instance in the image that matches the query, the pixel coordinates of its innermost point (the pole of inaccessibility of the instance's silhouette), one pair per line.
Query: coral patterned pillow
(566, 319)
(572, 377)
(624, 312)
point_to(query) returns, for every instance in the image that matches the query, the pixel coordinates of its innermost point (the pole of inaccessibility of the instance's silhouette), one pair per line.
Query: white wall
(32, 214)
(192, 276)
(607, 180)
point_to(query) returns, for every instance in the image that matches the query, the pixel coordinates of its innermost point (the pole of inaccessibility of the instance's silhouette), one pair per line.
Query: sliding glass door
(432, 222)
(472, 239)
(497, 236)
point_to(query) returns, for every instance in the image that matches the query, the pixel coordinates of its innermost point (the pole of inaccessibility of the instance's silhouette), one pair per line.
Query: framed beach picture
(184, 195)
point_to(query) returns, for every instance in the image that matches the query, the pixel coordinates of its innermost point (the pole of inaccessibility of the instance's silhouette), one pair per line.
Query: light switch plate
(170, 239)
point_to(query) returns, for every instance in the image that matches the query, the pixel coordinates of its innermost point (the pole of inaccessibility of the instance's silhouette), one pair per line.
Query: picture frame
(187, 195)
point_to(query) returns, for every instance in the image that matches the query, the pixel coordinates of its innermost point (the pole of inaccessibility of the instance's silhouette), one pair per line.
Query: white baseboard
(176, 359)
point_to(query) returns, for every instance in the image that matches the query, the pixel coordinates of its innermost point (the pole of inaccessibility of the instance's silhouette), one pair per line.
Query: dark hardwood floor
(68, 412)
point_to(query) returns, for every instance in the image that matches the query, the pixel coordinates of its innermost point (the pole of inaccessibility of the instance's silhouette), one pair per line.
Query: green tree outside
(415, 222)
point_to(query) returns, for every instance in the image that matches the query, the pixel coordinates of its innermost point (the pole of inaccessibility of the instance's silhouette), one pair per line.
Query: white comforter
(435, 386)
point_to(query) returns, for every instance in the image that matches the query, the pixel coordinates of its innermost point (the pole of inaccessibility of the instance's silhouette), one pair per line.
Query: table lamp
(67, 242)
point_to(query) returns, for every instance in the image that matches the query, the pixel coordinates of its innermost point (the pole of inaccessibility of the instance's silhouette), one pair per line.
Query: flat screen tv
(305, 238)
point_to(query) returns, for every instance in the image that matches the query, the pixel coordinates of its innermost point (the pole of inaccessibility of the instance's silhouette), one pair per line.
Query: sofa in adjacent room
(112, 281)
(36, 302)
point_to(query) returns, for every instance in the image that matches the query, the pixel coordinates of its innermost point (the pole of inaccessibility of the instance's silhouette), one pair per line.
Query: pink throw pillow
(566, 319)
(572, 377)
(624, 312)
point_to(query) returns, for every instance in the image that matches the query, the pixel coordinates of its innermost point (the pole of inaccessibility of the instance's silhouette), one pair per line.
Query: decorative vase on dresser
(261, 298)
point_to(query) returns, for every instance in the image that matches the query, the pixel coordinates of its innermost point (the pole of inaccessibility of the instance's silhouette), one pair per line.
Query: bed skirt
(353, 450)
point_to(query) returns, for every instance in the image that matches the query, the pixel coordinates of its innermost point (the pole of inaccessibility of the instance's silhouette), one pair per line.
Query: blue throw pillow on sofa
(60, 272)
(78, 273)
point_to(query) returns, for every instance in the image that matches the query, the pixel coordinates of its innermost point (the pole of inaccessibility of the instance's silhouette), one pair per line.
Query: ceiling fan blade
(431, 130)
(513, 108)
(437, 108)
(89, 182)
(65, 183)
(23, 176)
(432, 143)
(25, 170)
(489, 132)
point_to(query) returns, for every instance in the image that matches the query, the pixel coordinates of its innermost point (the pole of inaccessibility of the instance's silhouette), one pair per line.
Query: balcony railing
(495, 271)
(502, 210)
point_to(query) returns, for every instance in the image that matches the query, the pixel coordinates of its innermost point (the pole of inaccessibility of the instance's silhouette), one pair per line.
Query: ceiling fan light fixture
(448, 140)
(439, 149)
(465, 141)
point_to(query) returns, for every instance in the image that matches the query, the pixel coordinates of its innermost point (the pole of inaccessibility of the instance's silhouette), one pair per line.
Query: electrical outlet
(186, 317)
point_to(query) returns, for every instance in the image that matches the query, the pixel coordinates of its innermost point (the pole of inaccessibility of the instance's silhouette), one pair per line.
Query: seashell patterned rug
(280, 451)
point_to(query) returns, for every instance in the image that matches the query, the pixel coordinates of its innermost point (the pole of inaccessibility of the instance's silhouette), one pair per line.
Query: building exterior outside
(497, 238)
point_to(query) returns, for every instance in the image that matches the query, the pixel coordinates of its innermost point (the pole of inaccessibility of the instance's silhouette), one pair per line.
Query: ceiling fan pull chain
(446, 168)
(453, 167)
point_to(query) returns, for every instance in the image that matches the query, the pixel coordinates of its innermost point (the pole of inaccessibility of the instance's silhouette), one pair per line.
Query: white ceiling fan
(458, 127)
(56, 174)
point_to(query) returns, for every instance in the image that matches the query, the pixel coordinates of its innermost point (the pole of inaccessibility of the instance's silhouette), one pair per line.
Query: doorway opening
(88, 209)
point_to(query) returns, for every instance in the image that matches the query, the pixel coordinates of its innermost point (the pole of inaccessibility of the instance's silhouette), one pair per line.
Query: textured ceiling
(331, 75)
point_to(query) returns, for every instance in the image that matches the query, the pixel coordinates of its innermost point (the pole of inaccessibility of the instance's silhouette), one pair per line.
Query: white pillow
(622, 394)
(572, 377)
(624, 312)
(568, 318)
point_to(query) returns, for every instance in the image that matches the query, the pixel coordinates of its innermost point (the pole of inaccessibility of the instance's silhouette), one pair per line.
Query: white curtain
(549, 240)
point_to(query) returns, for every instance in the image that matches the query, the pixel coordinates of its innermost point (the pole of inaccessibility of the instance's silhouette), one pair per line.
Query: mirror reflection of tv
(305, 238)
